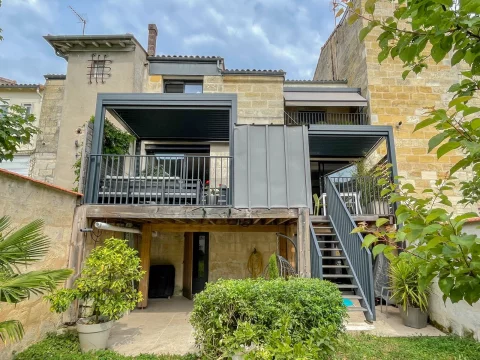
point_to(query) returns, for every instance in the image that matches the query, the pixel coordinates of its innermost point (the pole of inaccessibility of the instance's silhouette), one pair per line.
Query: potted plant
(106, 282)
(406, 292)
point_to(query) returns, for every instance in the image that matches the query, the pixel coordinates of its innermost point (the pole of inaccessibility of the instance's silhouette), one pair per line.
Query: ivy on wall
(115, 142)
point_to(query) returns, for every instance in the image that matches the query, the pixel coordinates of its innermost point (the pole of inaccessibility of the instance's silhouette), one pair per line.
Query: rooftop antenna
(82, 20)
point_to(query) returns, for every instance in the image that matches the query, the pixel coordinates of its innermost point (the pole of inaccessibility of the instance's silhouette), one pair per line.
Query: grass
(363, 346)
(358, 347)
(66, 347)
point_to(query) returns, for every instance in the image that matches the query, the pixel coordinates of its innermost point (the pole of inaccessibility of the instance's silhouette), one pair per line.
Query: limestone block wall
(25, 200)
(167, 249)
(154, 84)
(260, 98)
(393, 100)
(45, 156)
(229, 253)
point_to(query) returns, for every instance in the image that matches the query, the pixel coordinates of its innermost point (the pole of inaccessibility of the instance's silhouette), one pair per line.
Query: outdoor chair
(317, 203)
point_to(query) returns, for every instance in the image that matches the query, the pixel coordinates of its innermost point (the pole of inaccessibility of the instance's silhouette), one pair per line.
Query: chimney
(152, 39)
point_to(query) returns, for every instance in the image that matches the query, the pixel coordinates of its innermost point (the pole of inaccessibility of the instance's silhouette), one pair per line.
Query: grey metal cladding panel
(271, 167)
(258, 167)
(175, 68)
(240, 168)
(278, 172)
(296, 168)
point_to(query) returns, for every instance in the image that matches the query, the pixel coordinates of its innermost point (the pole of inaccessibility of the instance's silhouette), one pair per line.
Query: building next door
(200, 262)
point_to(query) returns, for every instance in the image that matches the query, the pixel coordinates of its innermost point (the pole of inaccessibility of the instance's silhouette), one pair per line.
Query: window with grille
(99, 69)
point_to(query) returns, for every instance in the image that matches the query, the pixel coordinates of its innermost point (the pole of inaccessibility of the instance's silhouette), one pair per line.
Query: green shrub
(273, 267)
(282, 319)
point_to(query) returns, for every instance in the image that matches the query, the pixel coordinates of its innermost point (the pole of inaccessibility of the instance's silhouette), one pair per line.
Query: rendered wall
(25, 201)
(459, 318)
(80, 98)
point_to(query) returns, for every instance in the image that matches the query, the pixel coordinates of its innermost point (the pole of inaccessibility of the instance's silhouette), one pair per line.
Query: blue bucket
(347, 302)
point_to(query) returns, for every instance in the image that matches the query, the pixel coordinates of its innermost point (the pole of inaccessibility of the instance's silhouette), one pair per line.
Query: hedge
(264, 319)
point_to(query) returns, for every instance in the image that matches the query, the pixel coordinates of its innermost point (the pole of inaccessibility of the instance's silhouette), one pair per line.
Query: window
(28, 107)
(3, 107)
(184, 87)
(98, 68)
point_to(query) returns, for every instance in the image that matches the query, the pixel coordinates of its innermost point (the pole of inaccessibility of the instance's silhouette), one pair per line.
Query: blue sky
(266, 34)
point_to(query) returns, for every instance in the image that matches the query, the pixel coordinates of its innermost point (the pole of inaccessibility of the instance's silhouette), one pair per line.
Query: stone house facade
(401, 104)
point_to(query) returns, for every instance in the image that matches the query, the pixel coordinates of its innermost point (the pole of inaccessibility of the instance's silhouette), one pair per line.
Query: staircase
(335, 265)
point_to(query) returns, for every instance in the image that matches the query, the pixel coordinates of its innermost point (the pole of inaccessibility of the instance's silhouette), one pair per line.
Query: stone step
(346, 286)
(354, 308)
(335, 276)
(334, 258)
(351, 297)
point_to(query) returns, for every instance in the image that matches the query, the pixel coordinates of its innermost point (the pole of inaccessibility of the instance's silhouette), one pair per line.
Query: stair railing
(315, 255)
(359, 259)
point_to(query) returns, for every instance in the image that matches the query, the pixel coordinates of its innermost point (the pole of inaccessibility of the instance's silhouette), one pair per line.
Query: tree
(23, 246)
(16, 129)
(421, 32)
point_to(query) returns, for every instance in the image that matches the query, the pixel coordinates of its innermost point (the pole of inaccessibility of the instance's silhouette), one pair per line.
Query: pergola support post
(303, 242)
(145, 247)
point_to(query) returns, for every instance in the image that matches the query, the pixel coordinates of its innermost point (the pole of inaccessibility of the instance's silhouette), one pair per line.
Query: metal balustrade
(162, 179)
(361, 195)
(324, 118)
(315, 255)
(359, 259)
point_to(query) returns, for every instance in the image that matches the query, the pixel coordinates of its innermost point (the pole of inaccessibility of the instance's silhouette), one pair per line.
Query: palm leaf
(17, 287)
(22, 246)
(11, 330)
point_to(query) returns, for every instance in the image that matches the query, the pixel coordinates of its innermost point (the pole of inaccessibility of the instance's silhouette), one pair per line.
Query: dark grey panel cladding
(271, 167)
(176, 68)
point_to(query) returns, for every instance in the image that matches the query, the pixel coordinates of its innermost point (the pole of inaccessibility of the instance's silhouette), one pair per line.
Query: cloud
(262, 34)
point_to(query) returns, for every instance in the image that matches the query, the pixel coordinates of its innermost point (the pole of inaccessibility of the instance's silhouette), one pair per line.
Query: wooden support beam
(291, 253)
(151, 212)
(303, 242)
(269, 221)
(145, 246)
(283, 221)
(216, 228)
(108, 44)
(94, 43)
(122, 44)
(256, 221)
(81, 43)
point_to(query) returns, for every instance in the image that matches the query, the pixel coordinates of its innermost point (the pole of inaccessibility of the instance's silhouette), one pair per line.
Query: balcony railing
(162, 180)
(361, 195)
(324, 118)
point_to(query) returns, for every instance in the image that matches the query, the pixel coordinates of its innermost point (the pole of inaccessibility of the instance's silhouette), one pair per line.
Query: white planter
(93, 336)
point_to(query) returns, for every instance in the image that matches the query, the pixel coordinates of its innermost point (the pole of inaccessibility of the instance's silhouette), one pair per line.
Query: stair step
(331, 249)
(334, 258)
(346, 286)
(335, 266)
(323, 227)
(353, 308)
(328, 241)
(345, 276)
(352, 297)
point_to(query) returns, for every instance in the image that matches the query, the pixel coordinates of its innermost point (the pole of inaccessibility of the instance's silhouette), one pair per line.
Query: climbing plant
(115, 142)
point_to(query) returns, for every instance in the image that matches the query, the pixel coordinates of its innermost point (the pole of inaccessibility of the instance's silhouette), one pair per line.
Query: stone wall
(45, 156)
(229, 253)
(25, 200)
(393, 100)
(260, 98)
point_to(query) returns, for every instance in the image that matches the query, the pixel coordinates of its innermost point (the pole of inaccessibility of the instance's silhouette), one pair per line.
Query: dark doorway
(200, 262)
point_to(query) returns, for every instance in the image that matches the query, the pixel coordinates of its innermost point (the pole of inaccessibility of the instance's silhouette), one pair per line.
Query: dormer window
(183, 87)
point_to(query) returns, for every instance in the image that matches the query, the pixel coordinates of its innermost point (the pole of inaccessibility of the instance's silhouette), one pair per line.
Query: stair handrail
(359, 259)
(316, 261)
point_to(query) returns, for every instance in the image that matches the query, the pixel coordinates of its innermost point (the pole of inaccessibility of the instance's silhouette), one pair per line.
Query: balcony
(162, 180)
(324, 118)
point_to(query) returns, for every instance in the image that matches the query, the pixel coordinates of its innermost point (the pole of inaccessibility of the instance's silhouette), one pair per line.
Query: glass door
(200, 262)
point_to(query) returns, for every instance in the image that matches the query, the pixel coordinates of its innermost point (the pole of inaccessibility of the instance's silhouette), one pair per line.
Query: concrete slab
(164, 328)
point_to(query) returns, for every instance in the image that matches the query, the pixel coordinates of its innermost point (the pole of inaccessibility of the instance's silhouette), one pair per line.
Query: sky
(249, 34)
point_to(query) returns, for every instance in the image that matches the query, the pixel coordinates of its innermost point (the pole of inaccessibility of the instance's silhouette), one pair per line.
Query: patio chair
(317, 204)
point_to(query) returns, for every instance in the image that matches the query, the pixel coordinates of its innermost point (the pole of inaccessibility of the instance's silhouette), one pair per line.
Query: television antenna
(82, 20)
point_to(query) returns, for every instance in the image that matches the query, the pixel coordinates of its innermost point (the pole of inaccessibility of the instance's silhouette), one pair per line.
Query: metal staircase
(337, 255)
(334, 265)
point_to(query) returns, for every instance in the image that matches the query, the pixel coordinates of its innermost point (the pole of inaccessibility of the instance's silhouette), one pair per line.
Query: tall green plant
(107, 280)
(20, 247)
(404, 276)
(273, 272)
